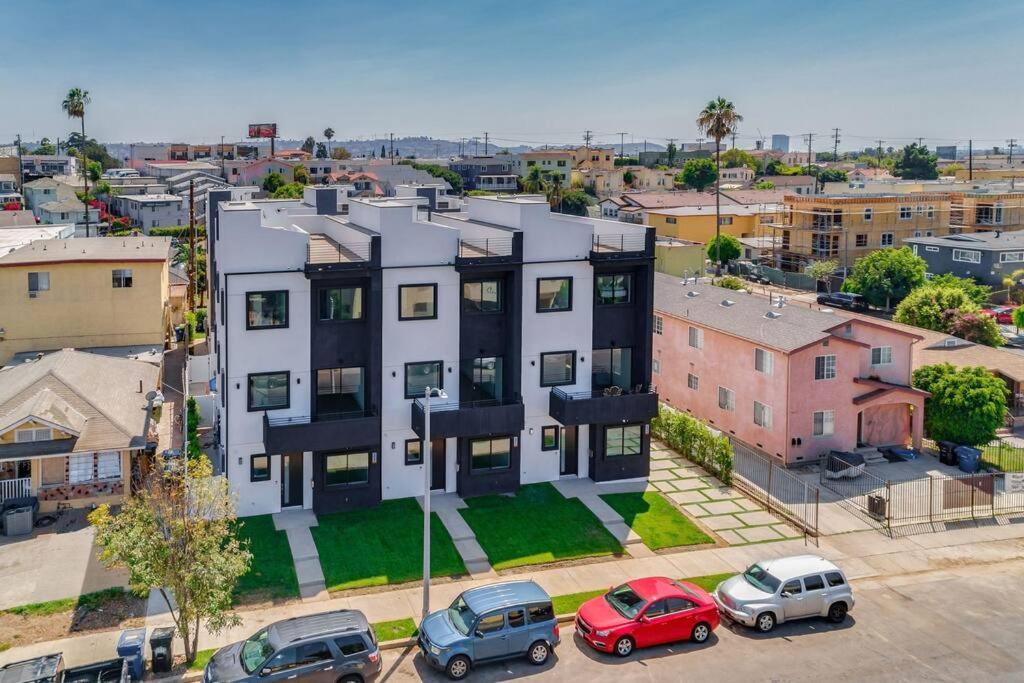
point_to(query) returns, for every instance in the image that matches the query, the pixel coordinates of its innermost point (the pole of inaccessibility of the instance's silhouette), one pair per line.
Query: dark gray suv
(333, 647)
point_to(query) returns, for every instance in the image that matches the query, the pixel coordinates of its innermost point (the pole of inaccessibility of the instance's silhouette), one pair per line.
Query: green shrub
(693, 439)
(731, 282)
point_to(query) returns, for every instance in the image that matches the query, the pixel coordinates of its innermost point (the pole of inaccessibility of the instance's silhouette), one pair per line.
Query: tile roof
(90, 249)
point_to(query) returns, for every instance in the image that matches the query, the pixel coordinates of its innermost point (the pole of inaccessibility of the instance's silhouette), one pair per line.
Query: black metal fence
(1004, 456)
(775, 487)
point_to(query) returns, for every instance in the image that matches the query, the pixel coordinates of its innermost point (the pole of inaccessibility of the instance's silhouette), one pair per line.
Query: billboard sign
(263, 130)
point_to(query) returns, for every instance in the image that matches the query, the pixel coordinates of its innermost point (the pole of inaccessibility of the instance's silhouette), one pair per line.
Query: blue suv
(490, 623)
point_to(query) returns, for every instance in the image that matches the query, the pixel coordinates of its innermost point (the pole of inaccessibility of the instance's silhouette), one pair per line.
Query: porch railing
(15, 488)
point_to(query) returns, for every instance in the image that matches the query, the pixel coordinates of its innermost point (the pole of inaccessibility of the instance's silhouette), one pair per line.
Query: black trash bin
(947, 454)
(161, 648)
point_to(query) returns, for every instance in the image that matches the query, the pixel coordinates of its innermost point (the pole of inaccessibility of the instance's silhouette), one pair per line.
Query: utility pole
(734, 139)
(222, 171)
(880, 153)
(835, 144)
(476, 146)
(622, 145)
(970, 159)
(588, 135)
(1012, 142)
(21, 170)
(391, 152)
(191, 245)
(487, 137)
(810, 139)
(920, 142)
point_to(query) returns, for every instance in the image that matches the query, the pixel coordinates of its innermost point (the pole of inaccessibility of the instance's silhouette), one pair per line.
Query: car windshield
(625, 601)
(461, 615)
(760, 579)
(256, 650)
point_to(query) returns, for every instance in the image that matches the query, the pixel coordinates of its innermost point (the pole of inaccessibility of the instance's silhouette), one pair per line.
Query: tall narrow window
(726, 399)
(612, 368)
(696, 337)
(763, 361)
(481, 379)
(762, 415)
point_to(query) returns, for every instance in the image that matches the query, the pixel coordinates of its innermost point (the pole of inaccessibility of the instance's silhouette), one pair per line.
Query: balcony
(487, 251)
(621, 246)
(469, 418)
(326, 432)
(326, 255)
(603, 406)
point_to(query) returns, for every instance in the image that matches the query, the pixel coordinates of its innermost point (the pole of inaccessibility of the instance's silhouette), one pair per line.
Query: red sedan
(1002, 314)
(647, 612)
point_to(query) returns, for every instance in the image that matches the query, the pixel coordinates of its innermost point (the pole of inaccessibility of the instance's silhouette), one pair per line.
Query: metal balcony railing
(619, 243)
(485, 247)
(442, 405)
(603, 393)
(323, 250)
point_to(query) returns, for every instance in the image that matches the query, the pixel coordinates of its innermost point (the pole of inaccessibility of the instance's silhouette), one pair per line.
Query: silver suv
(776, 591)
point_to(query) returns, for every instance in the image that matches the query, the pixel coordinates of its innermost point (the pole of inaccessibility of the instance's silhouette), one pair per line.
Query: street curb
(409, 642)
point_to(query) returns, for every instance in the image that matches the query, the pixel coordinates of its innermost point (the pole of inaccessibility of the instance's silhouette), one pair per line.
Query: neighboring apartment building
(485, 173)
(558, 162)
(740, 176)
(83, 292)
(55, 202)
(613, 182)
(795, 184)
(790, 381)
(150, 211)
(597, 158)
(635, 207)
(9, 194)
(36, 165)
(987, 257)
(697, 223)
(328, 328)
(71, 424)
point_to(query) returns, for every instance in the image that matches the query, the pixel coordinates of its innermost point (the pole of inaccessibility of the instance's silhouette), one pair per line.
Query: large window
(340, 391)
(627, 440)
(490, 454)
(825, 367)
(341, 303)
(613, 289)
(347, 469)
(417, 302)
(122, 278)
(824, 423)
(266, 310)
(419, 376)
(38, 282)
(259, 467)
(726, 399)
(481, 296)
(557, 368)
(881, 355)
(967, 255)
(554, 294)
(80, 468)
(611, 368)
(108, 465)
(481, 379)
(268, 390)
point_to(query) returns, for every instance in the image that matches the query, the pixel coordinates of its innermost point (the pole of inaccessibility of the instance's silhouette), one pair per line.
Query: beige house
(72, 424)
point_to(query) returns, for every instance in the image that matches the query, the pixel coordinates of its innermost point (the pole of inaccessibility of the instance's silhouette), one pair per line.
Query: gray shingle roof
(794, 325)
(91, 249)
(981, 241)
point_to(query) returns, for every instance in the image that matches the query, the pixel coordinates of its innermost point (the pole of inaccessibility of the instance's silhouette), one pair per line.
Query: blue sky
(525, 71)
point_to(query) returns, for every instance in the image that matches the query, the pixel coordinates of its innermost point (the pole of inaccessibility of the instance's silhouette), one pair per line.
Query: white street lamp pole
(427, 468)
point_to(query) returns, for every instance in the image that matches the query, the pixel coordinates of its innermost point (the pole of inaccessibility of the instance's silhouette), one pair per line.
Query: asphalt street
(962, 624)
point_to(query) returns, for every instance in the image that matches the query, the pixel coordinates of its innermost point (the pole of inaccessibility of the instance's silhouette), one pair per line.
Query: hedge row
(693, 439)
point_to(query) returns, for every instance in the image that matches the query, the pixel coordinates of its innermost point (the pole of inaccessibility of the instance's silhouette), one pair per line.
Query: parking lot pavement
(953, 625)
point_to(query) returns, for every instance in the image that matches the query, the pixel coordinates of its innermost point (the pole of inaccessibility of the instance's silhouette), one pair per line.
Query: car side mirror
(786, 594)
(266, 671)
(478, 634)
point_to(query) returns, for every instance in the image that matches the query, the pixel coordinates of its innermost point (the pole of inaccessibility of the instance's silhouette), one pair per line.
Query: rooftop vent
(727, 302)
(772, 315)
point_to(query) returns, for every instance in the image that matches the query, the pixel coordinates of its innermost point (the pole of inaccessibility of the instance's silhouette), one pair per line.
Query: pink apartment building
(787, 380)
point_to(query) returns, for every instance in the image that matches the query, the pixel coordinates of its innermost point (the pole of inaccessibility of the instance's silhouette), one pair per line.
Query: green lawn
(272, 572)
(710, 582)
(1003, 457)
(394, 630)
(382, 545)
(535, 526)
(89, 601)
(202, 657)
(568, 604)
(658, 523)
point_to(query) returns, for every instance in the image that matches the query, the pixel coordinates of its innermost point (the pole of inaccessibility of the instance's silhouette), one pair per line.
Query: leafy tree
(927, 306)
(321, 151)
(77, 144)
(832, 175)
(288, 191)
(735, 158)
(916, 163)
(698, 173)
(534, 181)
(974, 326)
(272, 181)
(554, 190)
(329, 135)
(575, 202)
(628, 177)
(672, 151)
(626, 161)
(340, 153)
(45, 147)
(822, 271)
(977, 293)
(886, 276)
(453, 178)
(95, 171)
(308, 144)
(723, 249)
(1018, 317)
(951, 169)
(176, 534)
(301, 174)
(718, 120)
(764, 185)
(773, 166)
(383, 152)
(1014, 283)
(74, 105)
(967, 405)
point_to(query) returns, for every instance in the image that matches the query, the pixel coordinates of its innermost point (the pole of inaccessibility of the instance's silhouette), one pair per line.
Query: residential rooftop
(982, 241)
(90, 249)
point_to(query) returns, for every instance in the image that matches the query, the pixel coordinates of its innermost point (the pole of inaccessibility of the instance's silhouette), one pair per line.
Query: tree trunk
(718, 208)
(85, 175)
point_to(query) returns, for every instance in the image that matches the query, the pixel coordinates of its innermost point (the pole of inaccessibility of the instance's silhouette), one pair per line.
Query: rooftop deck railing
(485, 247)
(619, 243)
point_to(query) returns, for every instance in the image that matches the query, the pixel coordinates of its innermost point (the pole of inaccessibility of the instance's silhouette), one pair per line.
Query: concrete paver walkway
(296, 525)
(446, 506)
(589, 492)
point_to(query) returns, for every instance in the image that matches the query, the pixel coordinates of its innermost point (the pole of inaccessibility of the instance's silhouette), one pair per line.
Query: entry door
(438, 465)
(569, 451)
(291, 479)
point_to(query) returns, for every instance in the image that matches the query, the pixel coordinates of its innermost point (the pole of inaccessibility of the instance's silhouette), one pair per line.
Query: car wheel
(701, 632)
(539, 653)
(837, 612)
(765, 622)
(458, 667)
(624, 646)
(352, 679)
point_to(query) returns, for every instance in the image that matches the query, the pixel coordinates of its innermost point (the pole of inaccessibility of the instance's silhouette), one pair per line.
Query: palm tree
(554, 190)
(534, 181)
(718, 120)
(74, 106)
(329, 134)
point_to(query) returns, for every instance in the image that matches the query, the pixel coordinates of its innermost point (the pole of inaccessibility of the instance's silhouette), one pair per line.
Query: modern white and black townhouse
(328, 328)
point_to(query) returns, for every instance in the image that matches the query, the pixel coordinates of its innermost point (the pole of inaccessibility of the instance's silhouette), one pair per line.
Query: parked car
(51, 669)
(490, 623)
(646, 612)
(851, 302)
(336, 646)
(1002, 314)
(776, 591)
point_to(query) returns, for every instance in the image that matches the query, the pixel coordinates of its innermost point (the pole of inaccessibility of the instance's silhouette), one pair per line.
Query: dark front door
(569, 451)
(437, 465)
(291, 479)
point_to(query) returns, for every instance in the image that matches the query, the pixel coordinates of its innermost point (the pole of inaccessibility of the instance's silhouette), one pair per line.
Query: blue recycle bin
(968, 459)
(131, 645)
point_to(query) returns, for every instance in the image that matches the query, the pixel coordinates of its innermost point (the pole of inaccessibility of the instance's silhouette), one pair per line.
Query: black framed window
(549, 438)
(259, 467)
(419, 376)
(414, 452)
(482, 296)
(341, 303)
(557, 368)
(417, 302)
(340, 391)
(269, 390)
(490, 454)
(266, 310)
(610, 290)
(554, 294)
(612, 368)
(347, 469)
(481, 378)
(625, 440)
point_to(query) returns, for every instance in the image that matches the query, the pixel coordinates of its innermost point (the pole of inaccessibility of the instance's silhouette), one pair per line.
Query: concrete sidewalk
(861, 554)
